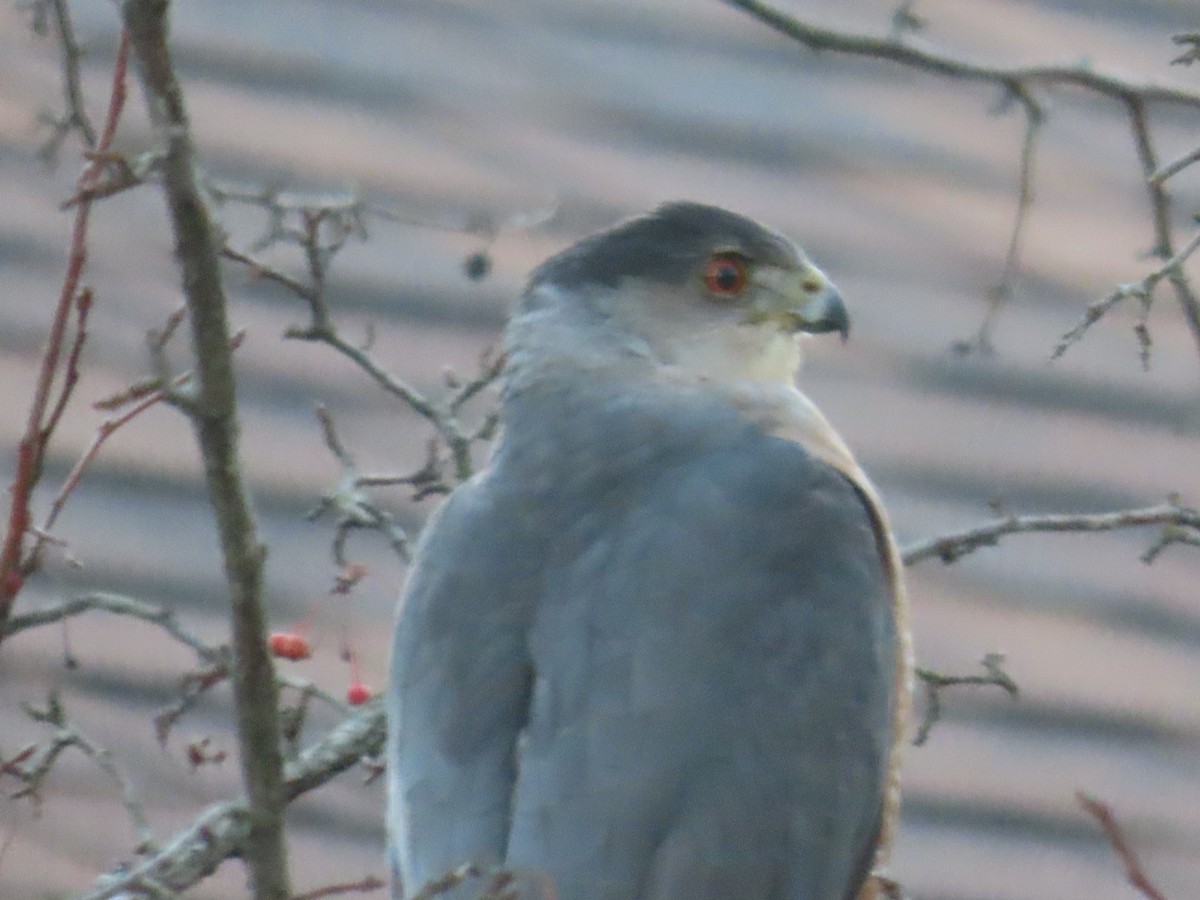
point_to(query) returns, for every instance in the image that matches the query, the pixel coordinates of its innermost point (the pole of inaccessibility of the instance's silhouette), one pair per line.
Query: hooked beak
(802, 299)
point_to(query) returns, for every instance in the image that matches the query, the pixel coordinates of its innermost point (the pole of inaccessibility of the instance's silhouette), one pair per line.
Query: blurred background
(901, 184)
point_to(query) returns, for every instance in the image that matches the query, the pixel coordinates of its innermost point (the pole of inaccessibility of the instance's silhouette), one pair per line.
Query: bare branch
(1134, 872)
(106, 430)
(321, 233)
(39, 429)
(1003, 291)
(194, 685)
(214, 419)
(1190, 40)
(1141, 291)
(32, 765)
(118, 605)
(75, 118)
(1176, 166)
(892, 49)
(448, 882)
(352, 505)
(935, 682)
(491, 364)
(260, 270)
(1019, 81)
(429, 479)
(1160, 206)
(223, 831)
(952, 547)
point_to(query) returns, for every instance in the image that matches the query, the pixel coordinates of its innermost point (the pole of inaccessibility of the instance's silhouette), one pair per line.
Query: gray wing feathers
(704, 616)
(716, 703)
(458, 694)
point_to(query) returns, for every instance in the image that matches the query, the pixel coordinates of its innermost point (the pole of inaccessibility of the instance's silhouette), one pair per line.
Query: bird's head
(693, 286)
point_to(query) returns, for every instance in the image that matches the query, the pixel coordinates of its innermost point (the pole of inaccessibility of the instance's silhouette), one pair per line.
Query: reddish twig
(106, 430)
(1103, 814)
(39, 428)
(365, 886)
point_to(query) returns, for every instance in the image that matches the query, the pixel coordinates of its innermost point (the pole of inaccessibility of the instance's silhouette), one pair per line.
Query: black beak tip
(836, 318)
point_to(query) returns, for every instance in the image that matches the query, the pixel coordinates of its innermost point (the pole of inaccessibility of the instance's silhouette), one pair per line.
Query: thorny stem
(212, 409)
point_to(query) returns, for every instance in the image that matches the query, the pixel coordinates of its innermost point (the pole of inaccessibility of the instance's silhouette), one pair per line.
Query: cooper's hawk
(658, 649)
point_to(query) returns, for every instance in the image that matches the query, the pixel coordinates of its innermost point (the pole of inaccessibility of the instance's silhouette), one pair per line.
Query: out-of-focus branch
(1134, 871)
(223, 831)
(952, 547)
(212, 408)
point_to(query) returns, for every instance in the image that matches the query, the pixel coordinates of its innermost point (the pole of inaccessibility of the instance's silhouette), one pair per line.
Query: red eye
(726, 274)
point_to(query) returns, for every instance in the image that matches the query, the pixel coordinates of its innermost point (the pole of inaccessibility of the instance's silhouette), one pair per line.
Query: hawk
(658, 649)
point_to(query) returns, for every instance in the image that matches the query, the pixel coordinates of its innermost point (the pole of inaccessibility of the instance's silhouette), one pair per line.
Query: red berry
(358, 694)
(289, 645)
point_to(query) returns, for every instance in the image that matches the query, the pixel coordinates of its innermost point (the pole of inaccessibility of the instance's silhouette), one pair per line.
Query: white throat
(754, 354)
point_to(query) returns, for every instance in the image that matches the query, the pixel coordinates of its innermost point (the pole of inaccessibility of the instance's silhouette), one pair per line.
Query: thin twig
(118, 605)
(1176, 166)
(33, 765)
(1002, 293)
(364, 886)
(32, 449)
(936, 682)
(1134, 871)
(106, 429)
(318, 248)
(952, 547)
(1160, 206)
(353, 506)
(1141, 290)
(491, 364)
(75, 118)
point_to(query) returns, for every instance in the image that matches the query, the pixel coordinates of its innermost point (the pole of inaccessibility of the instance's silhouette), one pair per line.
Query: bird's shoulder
(590, 434)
